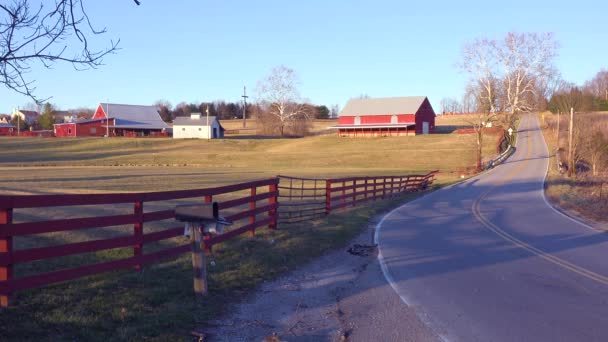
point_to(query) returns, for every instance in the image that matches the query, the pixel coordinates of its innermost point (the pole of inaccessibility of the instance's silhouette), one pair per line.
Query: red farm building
(7, 129)
(117, 120)
(383, 117)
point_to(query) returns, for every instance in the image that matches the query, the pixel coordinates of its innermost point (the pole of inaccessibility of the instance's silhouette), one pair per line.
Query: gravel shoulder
(337, 297)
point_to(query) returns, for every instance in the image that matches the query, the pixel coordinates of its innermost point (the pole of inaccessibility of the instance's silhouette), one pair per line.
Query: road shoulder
(337, 297)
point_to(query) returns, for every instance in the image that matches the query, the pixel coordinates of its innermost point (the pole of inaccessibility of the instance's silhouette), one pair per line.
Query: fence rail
(10, 230)
(308, 198)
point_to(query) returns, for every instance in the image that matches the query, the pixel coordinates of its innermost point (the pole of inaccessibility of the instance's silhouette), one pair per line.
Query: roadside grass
(586, 195)
(157, 304)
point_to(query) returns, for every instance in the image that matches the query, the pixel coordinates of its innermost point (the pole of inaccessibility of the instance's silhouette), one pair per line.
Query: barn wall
(99, 113)
(65, 130)
(346, 120)
(406, 118)
(376, 132)
(91, 129)
(376, 119)
(425, 113)
(7, 130)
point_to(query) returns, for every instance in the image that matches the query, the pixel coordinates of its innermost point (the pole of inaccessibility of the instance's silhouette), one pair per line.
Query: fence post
(375, 188)
(392, 186)
(383, 187)
(252, 207)
(138, 231)
(273, 212)
(365, 196)
(343, 195)
(328, 197)
(354, 192)
(6, 248)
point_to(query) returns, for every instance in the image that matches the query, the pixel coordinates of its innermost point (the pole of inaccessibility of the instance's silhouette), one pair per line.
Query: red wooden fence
(9, 230)
(343, 192)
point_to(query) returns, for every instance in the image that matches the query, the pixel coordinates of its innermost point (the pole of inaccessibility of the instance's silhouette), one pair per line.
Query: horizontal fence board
(39, 201)
(163, 235)
(235, 232)
(246, 200)
(83, 271)
(251, 212)
(39, 227)
(69, 249)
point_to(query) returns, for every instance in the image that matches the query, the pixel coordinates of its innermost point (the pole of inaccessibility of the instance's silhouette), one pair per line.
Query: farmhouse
(116, 120)
(28, 116)
(197, 126)
(390, 116)
(6, 129)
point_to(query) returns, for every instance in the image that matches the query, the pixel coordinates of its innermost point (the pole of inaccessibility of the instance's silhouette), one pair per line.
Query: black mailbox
(200, 213)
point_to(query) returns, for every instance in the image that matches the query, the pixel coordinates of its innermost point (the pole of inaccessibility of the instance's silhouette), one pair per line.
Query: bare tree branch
(46, 35)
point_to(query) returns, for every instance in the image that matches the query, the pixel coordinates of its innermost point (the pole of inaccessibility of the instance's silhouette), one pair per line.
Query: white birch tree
(279, 95)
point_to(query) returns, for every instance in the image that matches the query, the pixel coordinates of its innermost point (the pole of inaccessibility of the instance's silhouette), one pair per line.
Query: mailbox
(204, 216)
(200, 219)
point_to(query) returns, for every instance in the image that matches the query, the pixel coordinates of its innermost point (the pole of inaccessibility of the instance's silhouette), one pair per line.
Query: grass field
(157, 303)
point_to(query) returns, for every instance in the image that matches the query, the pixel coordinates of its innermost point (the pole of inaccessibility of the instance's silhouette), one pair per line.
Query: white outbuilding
(197, 126)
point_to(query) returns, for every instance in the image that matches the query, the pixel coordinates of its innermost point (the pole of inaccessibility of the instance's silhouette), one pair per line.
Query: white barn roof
(383, 106)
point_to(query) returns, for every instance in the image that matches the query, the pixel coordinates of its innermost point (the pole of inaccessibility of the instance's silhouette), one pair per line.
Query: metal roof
(188, 121)
(134, 116)
(383, 106)
(400, 125)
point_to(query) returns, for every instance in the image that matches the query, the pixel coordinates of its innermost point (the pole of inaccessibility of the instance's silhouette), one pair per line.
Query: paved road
(490, 260)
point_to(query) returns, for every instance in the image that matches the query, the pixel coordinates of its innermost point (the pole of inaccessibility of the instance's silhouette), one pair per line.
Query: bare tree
(279, 96)
(45, 32)
(479, 58)
(479, 121)
(527, 62)
(595, 146)
(598, 86)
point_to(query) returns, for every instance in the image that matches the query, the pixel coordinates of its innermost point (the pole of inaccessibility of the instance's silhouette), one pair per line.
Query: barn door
(425, 127)
(357, 120)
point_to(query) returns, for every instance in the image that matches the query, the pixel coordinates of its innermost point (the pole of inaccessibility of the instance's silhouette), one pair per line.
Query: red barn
(7, 129)
(390, 116)
(132, 120)
(83, 128)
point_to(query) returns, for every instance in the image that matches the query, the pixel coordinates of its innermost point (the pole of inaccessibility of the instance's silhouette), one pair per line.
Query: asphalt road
(490, 260)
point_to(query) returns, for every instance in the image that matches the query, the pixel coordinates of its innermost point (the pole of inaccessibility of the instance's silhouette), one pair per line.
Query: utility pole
(558, 130)
(208, 125)
(244, 106)
(107, 118)
(570, 155)
(18, 122)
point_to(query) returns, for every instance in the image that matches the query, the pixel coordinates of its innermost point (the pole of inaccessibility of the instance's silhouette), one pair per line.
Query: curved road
(490, 260)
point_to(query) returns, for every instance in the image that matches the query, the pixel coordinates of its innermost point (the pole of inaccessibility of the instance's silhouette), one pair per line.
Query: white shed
(197, 127)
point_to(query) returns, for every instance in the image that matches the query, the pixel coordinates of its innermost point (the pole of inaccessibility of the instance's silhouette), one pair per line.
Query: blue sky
(196, 51)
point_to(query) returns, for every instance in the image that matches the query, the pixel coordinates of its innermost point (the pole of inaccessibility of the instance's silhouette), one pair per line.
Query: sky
(200, 50)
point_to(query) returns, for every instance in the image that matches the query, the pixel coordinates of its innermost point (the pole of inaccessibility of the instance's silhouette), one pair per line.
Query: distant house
(7, 129)
(28, 116)
(198, 127)
(116, 120)
(391, 116)
(5, 118)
